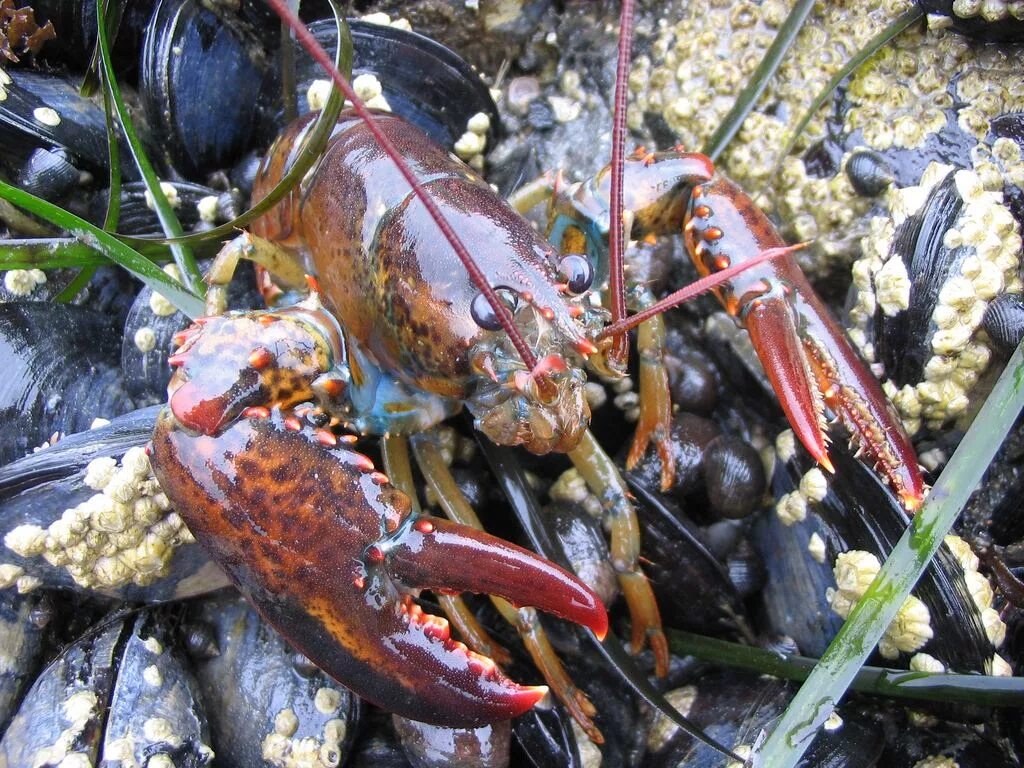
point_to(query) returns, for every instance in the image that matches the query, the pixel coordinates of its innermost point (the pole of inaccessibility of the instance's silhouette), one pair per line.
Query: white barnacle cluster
(282, 749)
(854, 571)
(471, 145)
(991, 236)
(981, 593)
(571, 487)
(366, 86)
(126, 533)
(989, 10)
(937, 761)
(170, 192)
(79, 711)
(792, 507)
(159, 303)
(21, 282)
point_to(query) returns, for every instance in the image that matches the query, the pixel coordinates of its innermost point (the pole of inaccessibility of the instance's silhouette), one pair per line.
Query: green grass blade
(95, 238)
(78, 282)
(891, 683)
(183, 256)
(113, 214)
(748, 97)
(308, 154)
(49, 253)
(870, 48)
(867, 622)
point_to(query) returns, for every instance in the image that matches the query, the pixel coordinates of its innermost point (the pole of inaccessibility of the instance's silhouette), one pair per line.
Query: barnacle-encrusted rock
(928, 93)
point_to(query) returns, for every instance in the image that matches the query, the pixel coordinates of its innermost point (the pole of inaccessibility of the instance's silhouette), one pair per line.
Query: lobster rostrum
(398, 339)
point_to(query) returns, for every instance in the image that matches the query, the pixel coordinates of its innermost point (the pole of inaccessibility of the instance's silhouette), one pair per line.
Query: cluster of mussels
(120, 643)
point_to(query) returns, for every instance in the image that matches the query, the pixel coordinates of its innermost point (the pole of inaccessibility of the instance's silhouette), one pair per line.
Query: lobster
(394, 338)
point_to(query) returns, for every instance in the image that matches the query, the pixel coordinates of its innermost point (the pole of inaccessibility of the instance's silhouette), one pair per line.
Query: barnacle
(126, 533)
(959, 351)
(910, 629)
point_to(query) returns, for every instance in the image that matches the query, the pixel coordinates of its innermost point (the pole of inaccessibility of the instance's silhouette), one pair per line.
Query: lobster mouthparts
(325, 548)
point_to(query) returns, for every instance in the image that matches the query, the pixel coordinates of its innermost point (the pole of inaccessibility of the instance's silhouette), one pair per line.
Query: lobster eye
(577, 273)
(483, 313)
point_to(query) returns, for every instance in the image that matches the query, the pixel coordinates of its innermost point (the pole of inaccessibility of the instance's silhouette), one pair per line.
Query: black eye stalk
(483, 313)
(576, 272)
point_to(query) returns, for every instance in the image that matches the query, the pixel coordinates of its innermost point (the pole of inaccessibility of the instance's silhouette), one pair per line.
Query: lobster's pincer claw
(432, 553)
(811, 365)
(322, 554)
(807, 356)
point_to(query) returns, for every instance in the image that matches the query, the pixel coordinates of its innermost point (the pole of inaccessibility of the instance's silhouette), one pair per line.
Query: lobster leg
(655, 401)
(266, 253)
(330, 572)
(806, 355)
(525, 620)
(601, 476)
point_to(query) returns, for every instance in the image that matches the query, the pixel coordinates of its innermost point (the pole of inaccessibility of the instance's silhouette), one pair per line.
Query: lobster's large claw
(322, 553)
(806, 355)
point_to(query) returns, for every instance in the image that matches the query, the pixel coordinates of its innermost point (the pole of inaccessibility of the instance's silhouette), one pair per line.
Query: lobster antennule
(616, 240)
(698, 287)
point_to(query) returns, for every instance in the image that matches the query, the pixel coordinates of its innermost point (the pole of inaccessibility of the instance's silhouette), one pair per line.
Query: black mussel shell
(201, 78)
(250, 720)
(793, 597)
(62, 373)
(434, 746)
(148, 342)
(423, 81)
(1006, 29)
(734, 708)
(960, 745)
(41, 111)
(675, 555)
(48, 173)
(38, 489)
(137, 215)
(22, 637)
(586, 548)
(860, 513)
(155, 707)
(903, 342)
(65, 709)
(545, 736)
(74, 22)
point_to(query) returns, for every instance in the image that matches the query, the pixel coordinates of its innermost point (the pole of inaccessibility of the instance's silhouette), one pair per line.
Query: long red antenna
(696, 288)
(616, 241)
(315, 50)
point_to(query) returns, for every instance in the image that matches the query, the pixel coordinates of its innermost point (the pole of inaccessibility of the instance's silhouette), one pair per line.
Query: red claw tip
(911, 501)
(528, 696)
(314, 286)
